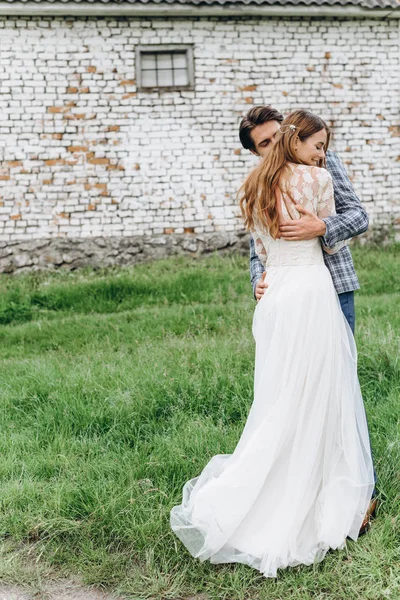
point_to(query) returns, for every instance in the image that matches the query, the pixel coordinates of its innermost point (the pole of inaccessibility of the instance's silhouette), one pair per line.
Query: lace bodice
(312, 188)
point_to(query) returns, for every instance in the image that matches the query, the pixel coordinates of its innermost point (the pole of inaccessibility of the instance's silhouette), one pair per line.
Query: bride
(301, 477)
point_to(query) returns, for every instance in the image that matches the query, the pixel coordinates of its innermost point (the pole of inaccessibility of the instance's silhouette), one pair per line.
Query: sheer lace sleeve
(259, 247)
(326, 205)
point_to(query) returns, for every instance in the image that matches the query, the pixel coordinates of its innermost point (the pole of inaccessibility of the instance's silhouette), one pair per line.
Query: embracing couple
(301, 479)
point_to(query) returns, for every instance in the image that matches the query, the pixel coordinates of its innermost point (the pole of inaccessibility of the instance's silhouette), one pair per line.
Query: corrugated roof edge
(361, 8)
(231, 3)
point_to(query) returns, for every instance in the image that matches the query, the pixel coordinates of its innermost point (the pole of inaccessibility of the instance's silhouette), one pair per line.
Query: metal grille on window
(164, 69)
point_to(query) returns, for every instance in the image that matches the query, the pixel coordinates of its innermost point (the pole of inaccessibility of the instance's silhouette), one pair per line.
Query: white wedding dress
(301, 477)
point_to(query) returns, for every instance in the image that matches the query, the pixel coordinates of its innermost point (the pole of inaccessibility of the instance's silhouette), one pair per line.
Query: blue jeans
(347, 303)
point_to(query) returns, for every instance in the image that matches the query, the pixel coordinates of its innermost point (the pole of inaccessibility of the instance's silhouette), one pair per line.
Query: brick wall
(84, 154)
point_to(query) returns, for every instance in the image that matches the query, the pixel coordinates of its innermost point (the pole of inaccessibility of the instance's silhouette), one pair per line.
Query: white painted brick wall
(83, 153)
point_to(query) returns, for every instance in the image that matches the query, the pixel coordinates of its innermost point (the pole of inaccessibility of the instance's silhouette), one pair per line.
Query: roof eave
(83, 9)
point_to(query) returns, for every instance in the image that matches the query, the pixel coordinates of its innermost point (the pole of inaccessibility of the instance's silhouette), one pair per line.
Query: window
(164, 67)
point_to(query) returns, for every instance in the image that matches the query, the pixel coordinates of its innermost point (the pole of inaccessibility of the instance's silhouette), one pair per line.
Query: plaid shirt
(350, 220)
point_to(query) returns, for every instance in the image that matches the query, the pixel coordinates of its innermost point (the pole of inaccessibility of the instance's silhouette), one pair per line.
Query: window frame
(165, 49)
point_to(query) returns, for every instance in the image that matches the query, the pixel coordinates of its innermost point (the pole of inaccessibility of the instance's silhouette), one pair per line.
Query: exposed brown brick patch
(338, 85)
(212, 80)
(394, 130)
(169, 230)
(79, 116)
(91, 69)
(127, 82)
(77, 148)
(64, 215)
(4, 177)
(310, 68)
(285, 93)
(55, 161)
(328, 55)
(14, 163)
(57, 136)
(115, 168)
(114, 201)
(113, 128)
(99, 161)
(57, 109)
(188, 230)
(16, 217)
(248, 88)
(380, 117)
(72, 90)
(103, 188)
(91, 207)
(249, 100)
(130, 95)
(237, 151)
(137, 167)
(84, 90)
(47, 181)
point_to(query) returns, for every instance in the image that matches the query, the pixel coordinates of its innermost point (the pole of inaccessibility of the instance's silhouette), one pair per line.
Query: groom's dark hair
(258, 115)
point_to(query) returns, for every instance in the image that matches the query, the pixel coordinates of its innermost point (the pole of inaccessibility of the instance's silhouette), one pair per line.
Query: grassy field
(118, 386)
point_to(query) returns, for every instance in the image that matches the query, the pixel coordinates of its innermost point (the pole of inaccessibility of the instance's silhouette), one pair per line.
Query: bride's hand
(261, 286)
(308, 227)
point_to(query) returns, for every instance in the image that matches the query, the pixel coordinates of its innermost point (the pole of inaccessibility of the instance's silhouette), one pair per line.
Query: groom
(257, 133)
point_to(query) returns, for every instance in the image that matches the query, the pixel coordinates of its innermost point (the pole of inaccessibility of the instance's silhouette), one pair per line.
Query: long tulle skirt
(300, 478)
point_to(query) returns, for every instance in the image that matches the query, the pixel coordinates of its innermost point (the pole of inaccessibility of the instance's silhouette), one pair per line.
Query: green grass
(117, 386)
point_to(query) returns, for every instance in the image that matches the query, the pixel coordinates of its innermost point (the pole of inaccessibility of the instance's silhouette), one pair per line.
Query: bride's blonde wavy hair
(258, 195)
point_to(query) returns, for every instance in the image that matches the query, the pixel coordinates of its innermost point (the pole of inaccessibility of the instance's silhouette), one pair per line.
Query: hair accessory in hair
(287, 128)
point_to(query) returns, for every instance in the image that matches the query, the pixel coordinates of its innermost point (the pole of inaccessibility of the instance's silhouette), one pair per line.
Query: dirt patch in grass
(63, 590)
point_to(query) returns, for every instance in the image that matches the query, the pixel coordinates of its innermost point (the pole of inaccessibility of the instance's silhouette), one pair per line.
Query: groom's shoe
(370, 514)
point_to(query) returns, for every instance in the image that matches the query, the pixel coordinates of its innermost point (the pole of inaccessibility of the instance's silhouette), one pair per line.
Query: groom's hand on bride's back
(308, 227)
(261, 286)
